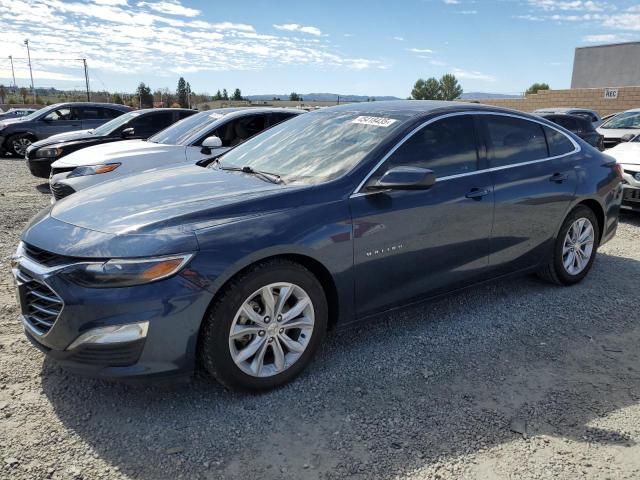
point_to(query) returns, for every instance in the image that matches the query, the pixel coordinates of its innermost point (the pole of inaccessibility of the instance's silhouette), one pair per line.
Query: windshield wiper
(268, 176)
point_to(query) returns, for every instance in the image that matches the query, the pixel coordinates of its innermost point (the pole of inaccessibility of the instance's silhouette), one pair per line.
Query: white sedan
(627, 154)
(190, 140)
(621, 125)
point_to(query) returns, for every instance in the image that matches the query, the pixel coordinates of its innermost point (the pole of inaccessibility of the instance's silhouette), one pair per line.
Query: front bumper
(173, 308)
(40, 167)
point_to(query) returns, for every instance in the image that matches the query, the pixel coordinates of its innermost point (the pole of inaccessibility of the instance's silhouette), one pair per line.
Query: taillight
(618, 169)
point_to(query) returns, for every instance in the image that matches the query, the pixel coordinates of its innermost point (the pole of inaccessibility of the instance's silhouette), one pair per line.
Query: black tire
(20, 136)
(554, 271)
(213, 348)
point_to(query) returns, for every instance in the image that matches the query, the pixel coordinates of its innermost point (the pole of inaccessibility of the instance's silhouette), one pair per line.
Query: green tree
(426, 89)
(23, 94)
(218, 95)
(450, 89)
(3, 93)
(117, 99)
(294, 97)
(145, 98)
(182, 93)
(225, 95)
(237, 94)
(536, 87)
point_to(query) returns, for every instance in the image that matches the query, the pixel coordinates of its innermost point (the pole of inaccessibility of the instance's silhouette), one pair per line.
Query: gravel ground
(517, 379)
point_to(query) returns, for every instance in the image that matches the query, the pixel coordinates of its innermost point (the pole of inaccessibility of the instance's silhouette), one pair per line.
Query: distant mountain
(482, 95)
(319, 97)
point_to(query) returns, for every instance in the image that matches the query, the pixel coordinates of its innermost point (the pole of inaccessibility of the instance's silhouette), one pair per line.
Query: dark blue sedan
(240, 264)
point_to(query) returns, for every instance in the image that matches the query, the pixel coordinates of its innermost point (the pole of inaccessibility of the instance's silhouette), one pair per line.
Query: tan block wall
(591, 98)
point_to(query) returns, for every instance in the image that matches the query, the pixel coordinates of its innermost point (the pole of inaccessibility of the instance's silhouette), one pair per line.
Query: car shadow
(511, 359)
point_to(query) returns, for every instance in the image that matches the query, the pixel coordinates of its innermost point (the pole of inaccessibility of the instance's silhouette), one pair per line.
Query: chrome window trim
(358, 193)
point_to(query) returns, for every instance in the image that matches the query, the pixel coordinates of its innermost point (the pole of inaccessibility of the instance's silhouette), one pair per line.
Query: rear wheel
(18, 144)
(265, 327)
(575, 248)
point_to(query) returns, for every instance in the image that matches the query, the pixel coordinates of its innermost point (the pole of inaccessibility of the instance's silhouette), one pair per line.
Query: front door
(412, 243)
(61, 120)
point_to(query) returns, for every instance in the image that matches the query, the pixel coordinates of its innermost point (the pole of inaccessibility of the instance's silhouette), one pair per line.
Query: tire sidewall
(577, 213)
(214, 346)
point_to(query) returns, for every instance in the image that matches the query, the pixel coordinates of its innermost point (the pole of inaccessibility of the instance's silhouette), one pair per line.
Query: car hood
(177, 199)
(5, 122)
(627, 153)
(64, 137)
(117, 151)
(617, 132)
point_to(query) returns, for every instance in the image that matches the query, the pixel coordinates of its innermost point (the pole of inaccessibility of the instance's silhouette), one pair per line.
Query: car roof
(564, 110)
(242, 111)
(116, 106)
(165, 109)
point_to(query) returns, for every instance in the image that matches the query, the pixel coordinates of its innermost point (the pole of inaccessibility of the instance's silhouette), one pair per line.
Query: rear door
(535, 180)
(411, 243)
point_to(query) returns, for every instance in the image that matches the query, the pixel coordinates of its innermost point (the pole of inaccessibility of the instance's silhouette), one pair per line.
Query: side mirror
(627, 138)
(128, 132)
(405, 178)
(212, 142)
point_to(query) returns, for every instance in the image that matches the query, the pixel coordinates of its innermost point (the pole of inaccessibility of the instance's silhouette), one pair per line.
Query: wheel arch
(597, 209)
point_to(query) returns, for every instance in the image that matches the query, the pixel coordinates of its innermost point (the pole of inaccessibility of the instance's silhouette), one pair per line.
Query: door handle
(477, 193)
(558, 177)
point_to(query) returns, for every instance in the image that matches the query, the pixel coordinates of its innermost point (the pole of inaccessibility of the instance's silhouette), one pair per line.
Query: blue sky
(350, 47)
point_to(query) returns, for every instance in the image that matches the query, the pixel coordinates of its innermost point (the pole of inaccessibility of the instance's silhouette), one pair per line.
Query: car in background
(627, 154)
(16, 134)
(610, 116)
(624, 124)
(578, 125)
(324, 220)
(590, 115)
(189, 140)
(132, 125)
(16, 113)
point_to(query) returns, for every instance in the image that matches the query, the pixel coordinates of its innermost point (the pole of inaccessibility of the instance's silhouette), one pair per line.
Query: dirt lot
(517, 379)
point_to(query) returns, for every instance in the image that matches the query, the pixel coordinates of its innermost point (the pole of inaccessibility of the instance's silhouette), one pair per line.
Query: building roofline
(609, 45)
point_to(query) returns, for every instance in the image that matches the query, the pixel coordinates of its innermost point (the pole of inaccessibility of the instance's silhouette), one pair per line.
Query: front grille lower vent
(46, 258)
(61, 190)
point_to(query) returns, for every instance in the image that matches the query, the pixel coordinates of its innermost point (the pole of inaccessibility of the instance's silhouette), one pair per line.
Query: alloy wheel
(20, 145)
(578, 246)
(271, 329)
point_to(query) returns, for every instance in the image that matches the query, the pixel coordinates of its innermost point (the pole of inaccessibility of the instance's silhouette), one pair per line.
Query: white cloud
(399, 39)
(419, 50)
(565, 5)
(451, 2)
(605, 37)
(294, 27)
(472, 75)
(121, 37)
(23, 74)
(171, 7)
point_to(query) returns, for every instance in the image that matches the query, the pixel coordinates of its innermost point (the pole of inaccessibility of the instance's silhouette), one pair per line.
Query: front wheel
(18, 144)
(265, 327)
(575, 248)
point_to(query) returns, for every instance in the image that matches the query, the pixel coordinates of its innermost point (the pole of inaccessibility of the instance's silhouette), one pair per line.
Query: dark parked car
(137, 124)
(16, 134)
(579, 125)
(321, 221)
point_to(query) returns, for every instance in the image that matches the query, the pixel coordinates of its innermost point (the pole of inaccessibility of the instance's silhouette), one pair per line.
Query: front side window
(58, 114)
(624, 120)
(513, 140)
(237, 131)
(447, 146)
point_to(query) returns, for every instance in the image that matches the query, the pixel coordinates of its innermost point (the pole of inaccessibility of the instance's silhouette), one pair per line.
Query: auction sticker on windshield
(375, 121)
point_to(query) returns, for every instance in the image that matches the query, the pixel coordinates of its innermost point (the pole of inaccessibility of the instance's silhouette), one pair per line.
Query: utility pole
(13, 73)
(86, 79)
(33, 90)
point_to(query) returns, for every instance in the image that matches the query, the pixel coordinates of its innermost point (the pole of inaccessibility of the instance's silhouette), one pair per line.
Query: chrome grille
(40, 305)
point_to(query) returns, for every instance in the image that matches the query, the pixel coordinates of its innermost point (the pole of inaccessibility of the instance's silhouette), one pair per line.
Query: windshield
(315, 147)
(107, 128)
(37, 113)
(186, 130)
(624, 120)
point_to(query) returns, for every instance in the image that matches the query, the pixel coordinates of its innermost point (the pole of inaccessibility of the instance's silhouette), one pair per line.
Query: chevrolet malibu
(240, 266)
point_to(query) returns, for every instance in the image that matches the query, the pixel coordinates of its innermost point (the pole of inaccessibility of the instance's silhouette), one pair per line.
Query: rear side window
(153, 122)
(514, 140)
(280, 117)
(447, 146)
(183, 114)
(558, 142)
(566, 122)
(91, 113)
(111, 113)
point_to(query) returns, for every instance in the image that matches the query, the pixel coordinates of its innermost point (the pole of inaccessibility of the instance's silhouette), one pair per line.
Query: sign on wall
(611, 93)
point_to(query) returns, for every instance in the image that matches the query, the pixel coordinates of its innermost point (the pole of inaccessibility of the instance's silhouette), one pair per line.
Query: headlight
(125, 273)
(49, 152)
(93, 170)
